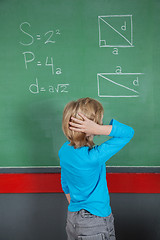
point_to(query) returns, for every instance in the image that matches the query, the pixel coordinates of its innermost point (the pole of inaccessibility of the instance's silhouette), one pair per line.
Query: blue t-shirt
(83, 171)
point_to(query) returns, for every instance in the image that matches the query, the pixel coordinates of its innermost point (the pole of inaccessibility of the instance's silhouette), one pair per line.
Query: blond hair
(92, 109)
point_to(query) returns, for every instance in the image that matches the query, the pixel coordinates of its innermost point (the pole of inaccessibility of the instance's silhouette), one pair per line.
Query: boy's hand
(86, 125)
(89, 127)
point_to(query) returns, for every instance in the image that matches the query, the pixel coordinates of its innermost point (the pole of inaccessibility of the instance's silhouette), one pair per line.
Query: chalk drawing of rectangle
(103, 42)
(107, 77)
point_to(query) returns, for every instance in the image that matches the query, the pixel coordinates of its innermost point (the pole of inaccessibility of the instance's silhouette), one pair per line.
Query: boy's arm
(64, 183)
(121, 134)
(68, 197)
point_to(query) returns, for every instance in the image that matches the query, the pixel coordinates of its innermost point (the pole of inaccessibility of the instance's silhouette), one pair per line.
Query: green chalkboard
(55, 51)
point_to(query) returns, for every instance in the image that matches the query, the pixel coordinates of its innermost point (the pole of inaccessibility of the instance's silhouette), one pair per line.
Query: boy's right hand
(89, 127)
(86, 125)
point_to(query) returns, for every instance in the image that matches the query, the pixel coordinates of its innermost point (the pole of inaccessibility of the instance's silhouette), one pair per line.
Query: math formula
(48, 63)
(49, 36)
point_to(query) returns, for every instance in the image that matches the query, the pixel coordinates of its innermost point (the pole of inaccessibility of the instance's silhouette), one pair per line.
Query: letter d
(136, 82)
(34, 87)
(123, 27)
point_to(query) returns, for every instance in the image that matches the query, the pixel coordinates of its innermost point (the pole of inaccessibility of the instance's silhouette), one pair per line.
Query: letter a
(119, 69)
(115, 51)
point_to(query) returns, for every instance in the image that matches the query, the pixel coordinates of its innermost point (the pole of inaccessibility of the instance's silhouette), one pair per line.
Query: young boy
(83, 169)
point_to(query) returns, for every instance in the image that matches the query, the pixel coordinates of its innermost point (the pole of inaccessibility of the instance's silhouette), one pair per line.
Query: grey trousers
(83, 225)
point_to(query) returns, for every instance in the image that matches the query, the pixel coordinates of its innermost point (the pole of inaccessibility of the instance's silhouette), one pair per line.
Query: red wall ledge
(50, 183)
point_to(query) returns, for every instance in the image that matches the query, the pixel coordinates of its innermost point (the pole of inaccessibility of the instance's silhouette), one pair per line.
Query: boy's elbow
(132, 132)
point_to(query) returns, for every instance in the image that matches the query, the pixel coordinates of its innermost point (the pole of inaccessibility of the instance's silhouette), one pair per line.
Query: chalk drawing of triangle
(105, 21)
(119, 88)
